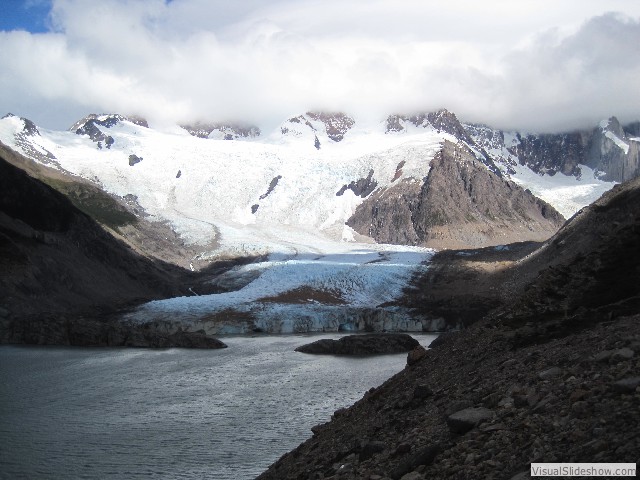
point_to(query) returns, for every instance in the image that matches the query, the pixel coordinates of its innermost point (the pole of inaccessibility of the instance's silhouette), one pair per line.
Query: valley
(317, 226)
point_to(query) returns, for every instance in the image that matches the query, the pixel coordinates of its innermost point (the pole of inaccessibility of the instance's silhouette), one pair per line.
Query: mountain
(307, 202)
(610, 149)
(319, 171)
(550, 376)
(461, 203)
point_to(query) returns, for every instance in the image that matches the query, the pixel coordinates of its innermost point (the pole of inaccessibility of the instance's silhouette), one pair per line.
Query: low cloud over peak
(537, 67)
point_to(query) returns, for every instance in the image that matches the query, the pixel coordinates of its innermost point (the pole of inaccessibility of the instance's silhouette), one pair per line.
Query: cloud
(534, 65)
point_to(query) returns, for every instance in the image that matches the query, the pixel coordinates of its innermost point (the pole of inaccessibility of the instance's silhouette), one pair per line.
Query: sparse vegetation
(94, 202)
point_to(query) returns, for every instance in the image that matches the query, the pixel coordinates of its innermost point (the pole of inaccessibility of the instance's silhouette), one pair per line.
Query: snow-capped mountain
(281, 191)
(313, 195)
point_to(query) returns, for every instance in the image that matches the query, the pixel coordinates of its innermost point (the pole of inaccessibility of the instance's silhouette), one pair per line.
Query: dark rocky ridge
(89, 126)
(460, 204)
(442, 121)
(364, 344)
(335, 125)
(602, 149)
(550, 377)
(361, 187)
(108, 121)
(61, 273)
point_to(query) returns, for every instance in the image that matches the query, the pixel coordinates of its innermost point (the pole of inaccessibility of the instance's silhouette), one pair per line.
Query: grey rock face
(612, 153)
(387, 215)
(610, 149)
(460, 204)
(90, 128)
(361, 187)
(550, 154)
(272, 185)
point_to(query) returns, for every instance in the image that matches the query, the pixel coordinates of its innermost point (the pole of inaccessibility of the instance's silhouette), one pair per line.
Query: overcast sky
(542, 65)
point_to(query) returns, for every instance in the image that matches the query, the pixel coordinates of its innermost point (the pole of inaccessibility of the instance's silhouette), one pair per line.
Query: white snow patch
(565, 193)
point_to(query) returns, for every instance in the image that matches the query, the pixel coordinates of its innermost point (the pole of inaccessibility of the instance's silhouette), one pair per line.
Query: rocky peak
(301, 127)
(222, 131)
(90, 128)
(613, 125)
(26, 141)
(461, 203)
(107, 120)
(613, 155)
(336, 124)
(29, 128)
(441, 120)
(446, 121)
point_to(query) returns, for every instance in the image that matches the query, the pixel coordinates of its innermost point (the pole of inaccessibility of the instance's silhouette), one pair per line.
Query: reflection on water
(133, 413)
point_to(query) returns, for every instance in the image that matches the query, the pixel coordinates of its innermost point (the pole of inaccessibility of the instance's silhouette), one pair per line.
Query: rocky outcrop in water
(365, 344)
(460, 204)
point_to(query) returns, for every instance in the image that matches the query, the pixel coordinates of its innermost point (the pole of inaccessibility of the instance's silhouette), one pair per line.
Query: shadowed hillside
(550, 375)
(61, 272)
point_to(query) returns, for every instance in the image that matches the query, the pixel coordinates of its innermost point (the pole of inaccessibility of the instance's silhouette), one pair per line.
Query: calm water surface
(137, 413)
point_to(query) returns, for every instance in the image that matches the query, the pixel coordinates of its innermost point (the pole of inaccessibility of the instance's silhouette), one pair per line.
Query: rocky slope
(552, 376)
(61, 272)
(461, 203)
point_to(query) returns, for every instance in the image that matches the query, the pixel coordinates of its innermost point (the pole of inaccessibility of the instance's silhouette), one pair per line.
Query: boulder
(626, 385)
(416, 355)
(464, 420)
(367, 344)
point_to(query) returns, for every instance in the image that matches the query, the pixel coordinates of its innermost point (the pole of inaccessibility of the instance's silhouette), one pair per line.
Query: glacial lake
(93, 413)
